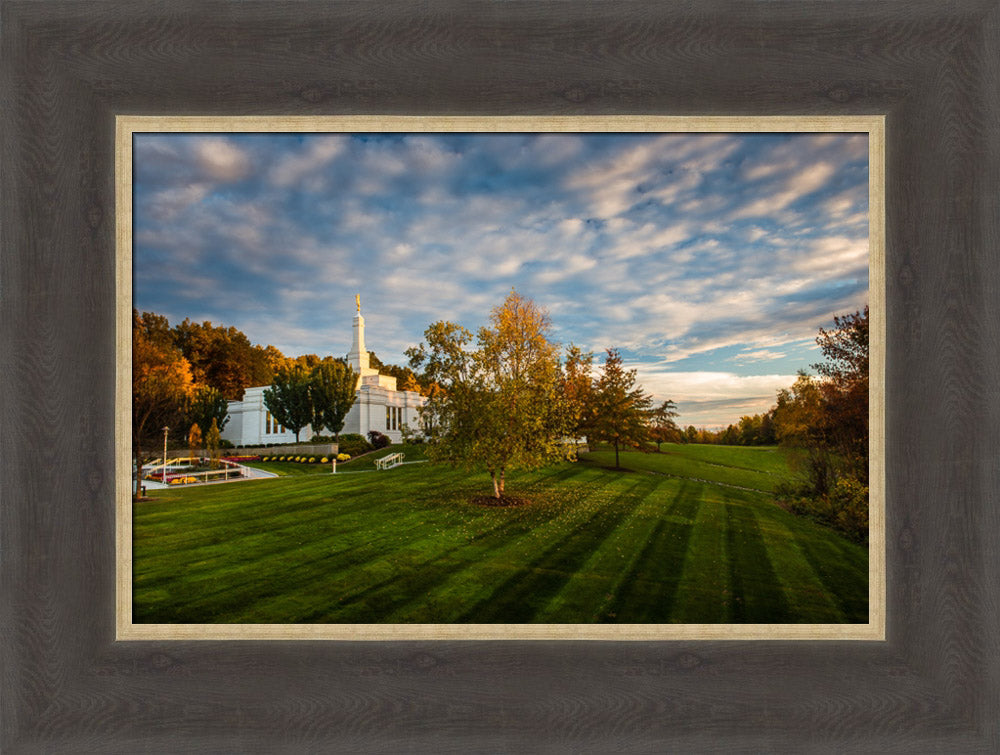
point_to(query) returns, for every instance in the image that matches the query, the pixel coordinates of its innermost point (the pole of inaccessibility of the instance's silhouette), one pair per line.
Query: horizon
(709, 261)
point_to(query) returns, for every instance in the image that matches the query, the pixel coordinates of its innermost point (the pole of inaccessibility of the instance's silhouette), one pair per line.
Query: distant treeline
(757, 430)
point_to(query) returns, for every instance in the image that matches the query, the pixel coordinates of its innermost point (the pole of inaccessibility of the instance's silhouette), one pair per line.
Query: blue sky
(709, 260)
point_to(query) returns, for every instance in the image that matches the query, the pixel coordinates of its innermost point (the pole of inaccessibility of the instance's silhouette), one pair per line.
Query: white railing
(390, 461)
(177, 469)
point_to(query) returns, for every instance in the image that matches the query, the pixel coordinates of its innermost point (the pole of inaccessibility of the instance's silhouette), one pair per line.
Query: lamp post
(165, 431)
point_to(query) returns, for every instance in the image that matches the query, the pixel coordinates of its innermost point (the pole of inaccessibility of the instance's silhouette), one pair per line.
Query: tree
(800, 424)
(410, 383)
(619, 407)
(845, 390)
(332, 388)
(577, 389)
(223, 357)
(208, 403)
(446, 359)
(289, 399)
(161, 384)
(662, 428)
(499, 406)
(212, 442)
(826, 418)
(194, 439)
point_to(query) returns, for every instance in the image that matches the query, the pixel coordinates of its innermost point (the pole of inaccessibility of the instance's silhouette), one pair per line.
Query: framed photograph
(699, 257)
(919, 672)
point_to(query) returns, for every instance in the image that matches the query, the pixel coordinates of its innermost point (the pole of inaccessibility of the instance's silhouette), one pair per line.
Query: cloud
(167, 204)
(295, 167)
(802, 183)
(760, 355)
(222, 160)
(709, 398)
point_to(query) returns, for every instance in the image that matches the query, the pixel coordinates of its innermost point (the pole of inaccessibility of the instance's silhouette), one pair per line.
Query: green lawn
(407, 545)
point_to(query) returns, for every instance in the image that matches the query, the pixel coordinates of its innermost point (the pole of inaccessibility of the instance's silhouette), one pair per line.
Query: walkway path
(252, 474)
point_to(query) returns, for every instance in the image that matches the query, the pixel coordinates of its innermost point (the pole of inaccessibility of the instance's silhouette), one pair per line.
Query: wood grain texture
(69, 67)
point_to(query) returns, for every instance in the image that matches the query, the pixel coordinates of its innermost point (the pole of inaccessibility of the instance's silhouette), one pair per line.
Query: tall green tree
(289, 398)
(332, 393)
(577, 388)
(620, 407)
(212, 442)
(446, 358)
(662, 428)
(208, 403)
(499, 407)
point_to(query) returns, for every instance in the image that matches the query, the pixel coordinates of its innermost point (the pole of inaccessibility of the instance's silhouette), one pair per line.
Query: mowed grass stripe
(589, 498)
(527, 589)
(757, 593)
(842, 567)
(802, 586)
(647, 590)
(769, 459)
(678, 466)
(704, 595)
(601, 574)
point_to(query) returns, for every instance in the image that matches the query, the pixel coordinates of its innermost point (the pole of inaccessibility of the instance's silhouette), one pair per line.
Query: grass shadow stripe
(757, 595)
(525, 592)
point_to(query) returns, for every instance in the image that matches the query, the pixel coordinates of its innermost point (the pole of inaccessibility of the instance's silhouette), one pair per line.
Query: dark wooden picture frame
(130, 127)
(69, 68)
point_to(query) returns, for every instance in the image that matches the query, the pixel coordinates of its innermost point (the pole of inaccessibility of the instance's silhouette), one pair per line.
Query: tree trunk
(496, 487)
(617, 466)
(501, 483)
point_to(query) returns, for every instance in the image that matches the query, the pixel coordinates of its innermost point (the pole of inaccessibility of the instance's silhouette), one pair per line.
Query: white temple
(378, 405)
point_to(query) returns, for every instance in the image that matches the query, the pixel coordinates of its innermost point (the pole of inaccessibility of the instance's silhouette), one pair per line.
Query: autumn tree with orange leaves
(161, 385)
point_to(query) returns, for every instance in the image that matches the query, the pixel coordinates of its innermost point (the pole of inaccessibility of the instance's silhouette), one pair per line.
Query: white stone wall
(246, 426)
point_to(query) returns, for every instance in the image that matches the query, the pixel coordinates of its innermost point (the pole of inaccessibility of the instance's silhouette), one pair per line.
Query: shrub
(312, 459)
(321, 439)
(845, 507)
(324, 460)
(343, 457)
(354, 444)
(226, 444)
(377, 439)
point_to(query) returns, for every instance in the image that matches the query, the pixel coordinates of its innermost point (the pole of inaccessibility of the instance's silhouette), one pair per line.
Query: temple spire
(358, 358)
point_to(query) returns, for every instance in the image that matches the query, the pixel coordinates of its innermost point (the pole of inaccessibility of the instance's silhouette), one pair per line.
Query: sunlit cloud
(221, 159)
